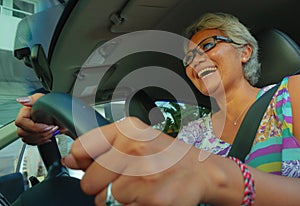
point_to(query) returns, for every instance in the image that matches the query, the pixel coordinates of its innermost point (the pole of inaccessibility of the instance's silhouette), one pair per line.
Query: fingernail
(48, 128)
(54, 129)
(55, 133)
(23, 99)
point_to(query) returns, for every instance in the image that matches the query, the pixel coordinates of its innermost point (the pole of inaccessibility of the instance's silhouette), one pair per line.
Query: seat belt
(245, 136)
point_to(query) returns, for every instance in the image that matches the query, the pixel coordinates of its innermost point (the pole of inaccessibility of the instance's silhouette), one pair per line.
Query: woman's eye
(207, 46)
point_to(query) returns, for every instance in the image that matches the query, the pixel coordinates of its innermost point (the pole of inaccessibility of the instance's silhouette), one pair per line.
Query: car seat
(11, 186)
(279, 56)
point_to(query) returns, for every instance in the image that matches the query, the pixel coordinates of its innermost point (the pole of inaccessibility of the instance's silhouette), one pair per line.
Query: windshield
(18, 26)
(21, 26)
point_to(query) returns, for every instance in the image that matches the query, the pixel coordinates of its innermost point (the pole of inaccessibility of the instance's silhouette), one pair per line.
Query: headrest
(279, 56)
(142, 106)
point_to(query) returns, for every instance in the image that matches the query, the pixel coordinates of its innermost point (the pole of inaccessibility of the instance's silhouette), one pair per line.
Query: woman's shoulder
(294, 82)
(288, 83)
(293, 87)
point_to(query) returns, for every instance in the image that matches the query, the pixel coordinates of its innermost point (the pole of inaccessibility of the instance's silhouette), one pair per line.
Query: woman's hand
(31, 132)
(145, 166)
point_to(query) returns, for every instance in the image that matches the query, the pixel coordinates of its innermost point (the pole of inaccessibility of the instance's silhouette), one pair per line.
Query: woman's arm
(270, 189)
(150, 168)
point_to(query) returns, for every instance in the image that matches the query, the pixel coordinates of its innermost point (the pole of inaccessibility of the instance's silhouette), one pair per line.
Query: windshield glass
(19, 23)
(22, 25)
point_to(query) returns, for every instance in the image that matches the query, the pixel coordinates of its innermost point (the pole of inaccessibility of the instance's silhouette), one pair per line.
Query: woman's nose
(198, 59)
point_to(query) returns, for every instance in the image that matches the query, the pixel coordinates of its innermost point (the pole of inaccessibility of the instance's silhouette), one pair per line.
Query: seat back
(11, 186)
(279, 56)
(142, 106)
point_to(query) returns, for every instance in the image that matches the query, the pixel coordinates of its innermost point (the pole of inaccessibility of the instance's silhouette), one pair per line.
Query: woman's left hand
(145, 166)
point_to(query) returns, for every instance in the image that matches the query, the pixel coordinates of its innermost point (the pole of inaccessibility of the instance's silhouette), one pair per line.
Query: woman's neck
(232, 107)
(232, 100)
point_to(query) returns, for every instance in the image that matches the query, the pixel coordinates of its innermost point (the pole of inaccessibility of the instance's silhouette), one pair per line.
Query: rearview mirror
(41, 66)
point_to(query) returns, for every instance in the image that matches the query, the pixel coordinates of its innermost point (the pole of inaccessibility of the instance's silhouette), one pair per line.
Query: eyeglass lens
(201, 48)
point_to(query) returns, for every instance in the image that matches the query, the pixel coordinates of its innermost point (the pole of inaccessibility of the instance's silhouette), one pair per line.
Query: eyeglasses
(204, 46)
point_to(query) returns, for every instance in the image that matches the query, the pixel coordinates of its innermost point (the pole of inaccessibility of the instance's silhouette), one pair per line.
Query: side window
(178, 115)
(17, 8)
(27, 8)
(112, 111)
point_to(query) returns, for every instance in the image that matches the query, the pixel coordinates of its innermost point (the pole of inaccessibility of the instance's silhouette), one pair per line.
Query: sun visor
(140, 15)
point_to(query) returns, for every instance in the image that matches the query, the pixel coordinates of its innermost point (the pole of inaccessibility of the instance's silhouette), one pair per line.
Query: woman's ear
(246, 53)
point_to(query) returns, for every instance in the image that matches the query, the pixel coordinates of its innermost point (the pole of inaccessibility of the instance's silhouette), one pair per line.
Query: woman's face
(219, 67)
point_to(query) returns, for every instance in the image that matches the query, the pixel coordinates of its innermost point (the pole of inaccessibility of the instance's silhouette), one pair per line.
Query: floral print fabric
(275, 149)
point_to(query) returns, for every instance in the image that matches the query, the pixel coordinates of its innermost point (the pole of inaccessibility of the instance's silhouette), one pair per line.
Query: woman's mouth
(204, 72)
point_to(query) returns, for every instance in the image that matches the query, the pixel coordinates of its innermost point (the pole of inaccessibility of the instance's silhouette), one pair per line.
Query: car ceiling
(87, 24)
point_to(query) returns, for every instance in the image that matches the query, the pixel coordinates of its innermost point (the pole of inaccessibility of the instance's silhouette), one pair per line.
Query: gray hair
(236, 31)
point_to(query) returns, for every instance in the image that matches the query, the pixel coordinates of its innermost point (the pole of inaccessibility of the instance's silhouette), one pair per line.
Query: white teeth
(206, 71)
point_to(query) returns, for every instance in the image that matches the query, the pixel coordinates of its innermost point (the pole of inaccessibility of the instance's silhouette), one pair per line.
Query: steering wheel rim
(59, 188)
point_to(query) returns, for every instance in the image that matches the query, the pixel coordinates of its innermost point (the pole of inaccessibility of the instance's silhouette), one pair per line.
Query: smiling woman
(81, 39)
(128, 162)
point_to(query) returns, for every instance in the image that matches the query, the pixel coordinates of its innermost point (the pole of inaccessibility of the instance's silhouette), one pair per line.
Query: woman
(236, 68)
(221, 61)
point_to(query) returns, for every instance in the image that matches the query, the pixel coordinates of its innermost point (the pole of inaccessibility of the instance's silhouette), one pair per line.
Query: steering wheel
(59, 188)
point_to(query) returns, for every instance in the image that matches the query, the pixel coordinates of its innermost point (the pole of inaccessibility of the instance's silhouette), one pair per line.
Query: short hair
(235, 30)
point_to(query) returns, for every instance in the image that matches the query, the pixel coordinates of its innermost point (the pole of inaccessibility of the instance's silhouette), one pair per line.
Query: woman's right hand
(30, 132)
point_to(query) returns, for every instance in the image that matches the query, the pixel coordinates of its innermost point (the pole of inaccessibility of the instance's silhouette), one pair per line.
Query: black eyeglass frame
(196, 49)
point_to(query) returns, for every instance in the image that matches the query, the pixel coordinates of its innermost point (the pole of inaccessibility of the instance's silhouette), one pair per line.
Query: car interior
(79, 53)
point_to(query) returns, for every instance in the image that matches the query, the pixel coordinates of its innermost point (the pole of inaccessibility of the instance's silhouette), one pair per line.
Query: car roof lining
(94, 26)
(135, 15)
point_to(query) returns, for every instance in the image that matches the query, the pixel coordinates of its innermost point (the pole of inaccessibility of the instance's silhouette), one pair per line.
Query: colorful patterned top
(275, 149)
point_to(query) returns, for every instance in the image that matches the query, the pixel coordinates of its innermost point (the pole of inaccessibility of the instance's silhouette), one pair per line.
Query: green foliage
(178, 115)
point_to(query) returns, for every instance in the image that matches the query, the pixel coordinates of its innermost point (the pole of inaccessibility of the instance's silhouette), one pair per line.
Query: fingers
(88, 147)
(23, 121)
(31, 132)
(123, 151)
(141, 163)
(35, 138)
(30, 100)
(92, 152)
(97, 142)
(113, 193)
(73, 162)
(99, 176)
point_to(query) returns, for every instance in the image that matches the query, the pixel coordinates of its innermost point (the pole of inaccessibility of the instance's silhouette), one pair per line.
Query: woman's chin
(209, 84)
